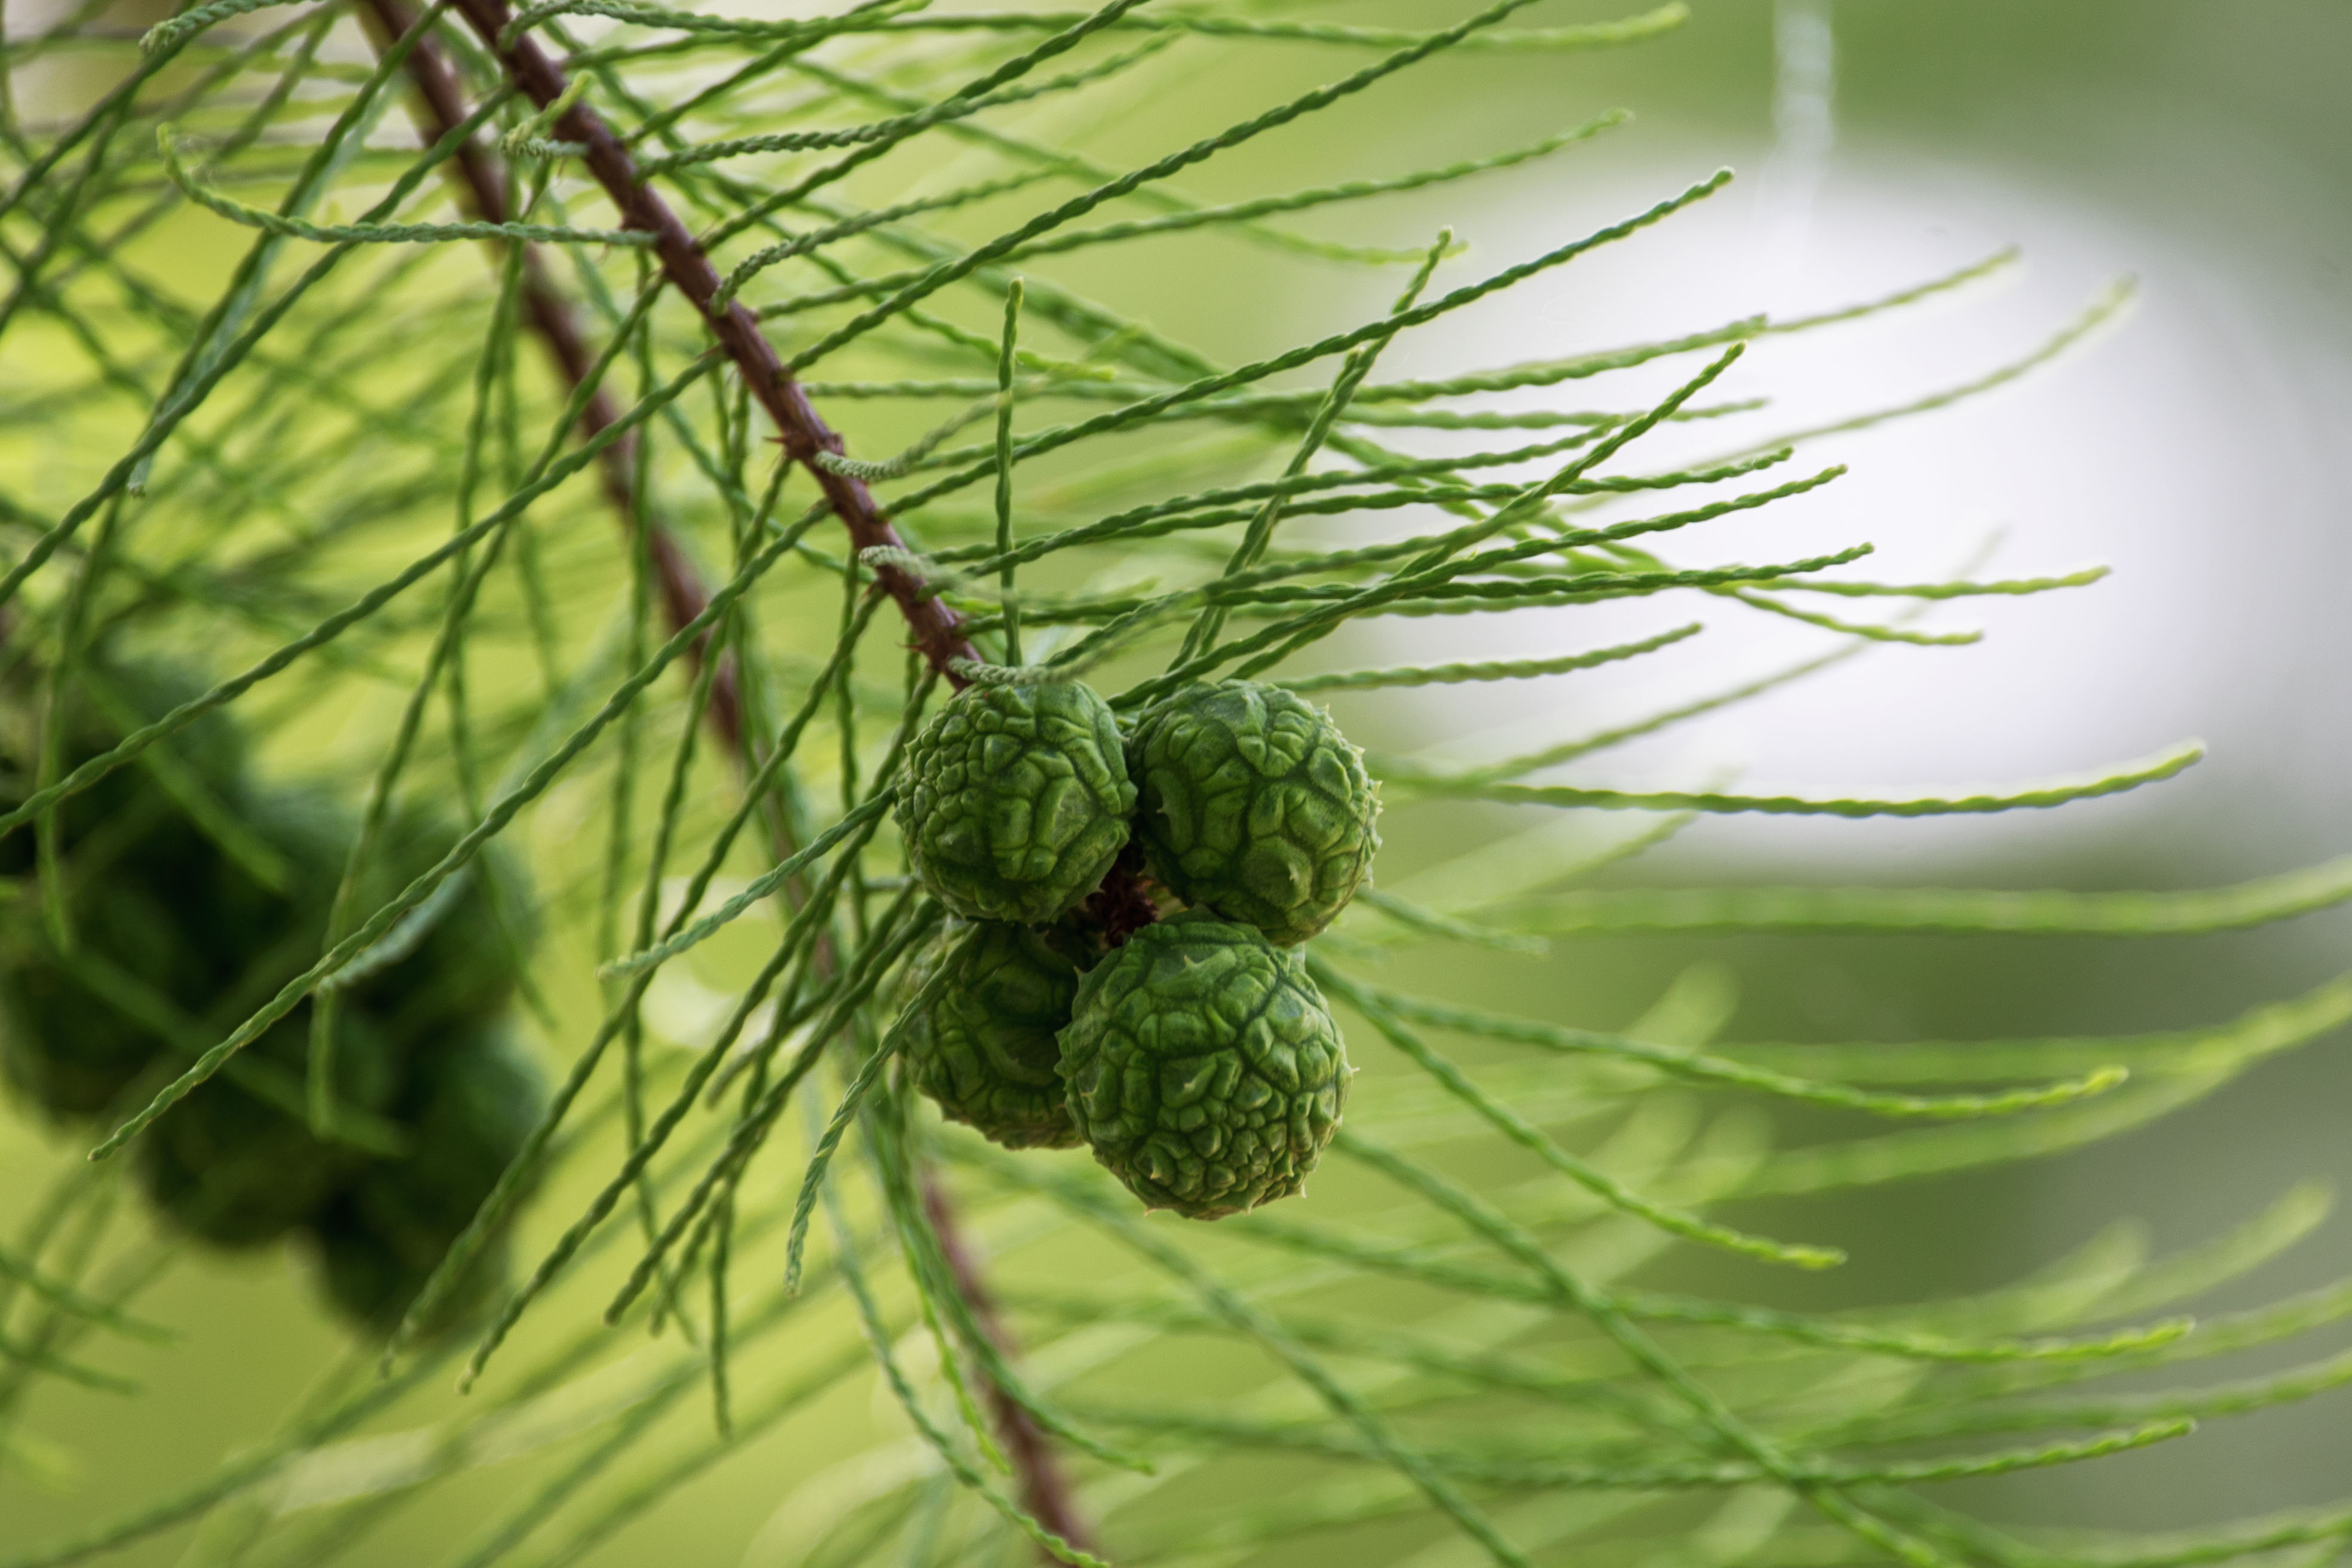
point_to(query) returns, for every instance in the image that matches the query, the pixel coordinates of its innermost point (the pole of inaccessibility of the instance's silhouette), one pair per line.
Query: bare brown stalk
(683, 594)
(1045, 1490)
(935, 628)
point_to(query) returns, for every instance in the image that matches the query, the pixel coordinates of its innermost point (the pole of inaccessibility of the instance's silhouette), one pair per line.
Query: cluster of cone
(186, 897)
(1195, 1058)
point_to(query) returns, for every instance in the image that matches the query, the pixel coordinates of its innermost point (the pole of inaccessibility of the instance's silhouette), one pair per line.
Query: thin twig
(1045, 1490)
(936, 629)
(682, 591)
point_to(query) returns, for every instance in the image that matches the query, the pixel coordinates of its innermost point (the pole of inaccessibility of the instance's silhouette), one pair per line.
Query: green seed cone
(113, 815)
(175, 939)
(235, 1163)
(172, 927)
(371, 1281)
(71, 1037)
(1016, 800)
(986, 1049)
(451, 958)
(64, 1042)
(1203, 1067)
(473, 1102)
(1252, 805)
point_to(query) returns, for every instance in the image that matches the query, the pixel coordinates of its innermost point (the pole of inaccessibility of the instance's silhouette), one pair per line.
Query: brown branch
(682, 592)
(1122, 905)
(936, 628)
(1045, 1491)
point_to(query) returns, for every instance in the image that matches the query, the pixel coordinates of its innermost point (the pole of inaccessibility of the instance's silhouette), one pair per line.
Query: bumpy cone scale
(986, 1049)
(134, 858)
(470, 1107)
(236, 1162)
(1016, 800)
(175, 939)
(1253, 805)
(1203, 1067)
(1197, 1061)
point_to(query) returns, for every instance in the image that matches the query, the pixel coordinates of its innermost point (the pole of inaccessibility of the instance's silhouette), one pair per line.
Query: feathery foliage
(458, 392)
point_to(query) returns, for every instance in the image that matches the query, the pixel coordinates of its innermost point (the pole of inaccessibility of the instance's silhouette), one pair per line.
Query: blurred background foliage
(2203, 146)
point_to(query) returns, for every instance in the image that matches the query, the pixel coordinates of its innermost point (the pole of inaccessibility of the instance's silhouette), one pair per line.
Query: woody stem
(935, 628)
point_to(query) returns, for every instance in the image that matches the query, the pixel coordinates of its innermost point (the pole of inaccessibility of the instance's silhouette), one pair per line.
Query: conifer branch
(1458, 1344)
(935, 628)
(683, 593)
(1045, 1490)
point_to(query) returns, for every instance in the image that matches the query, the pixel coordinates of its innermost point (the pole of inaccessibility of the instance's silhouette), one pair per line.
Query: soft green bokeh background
(2205, 145)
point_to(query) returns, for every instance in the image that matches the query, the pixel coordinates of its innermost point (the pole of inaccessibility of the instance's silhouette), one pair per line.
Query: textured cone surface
(168, 923)
(1252, 805)
(448, 960)
(176, 939)
(470, 1106)
(1203, 1067)
(211, 748)
(69, 1038)
(236, 1169)
(65, 1042)
(986, 1049)
(1017, 800)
